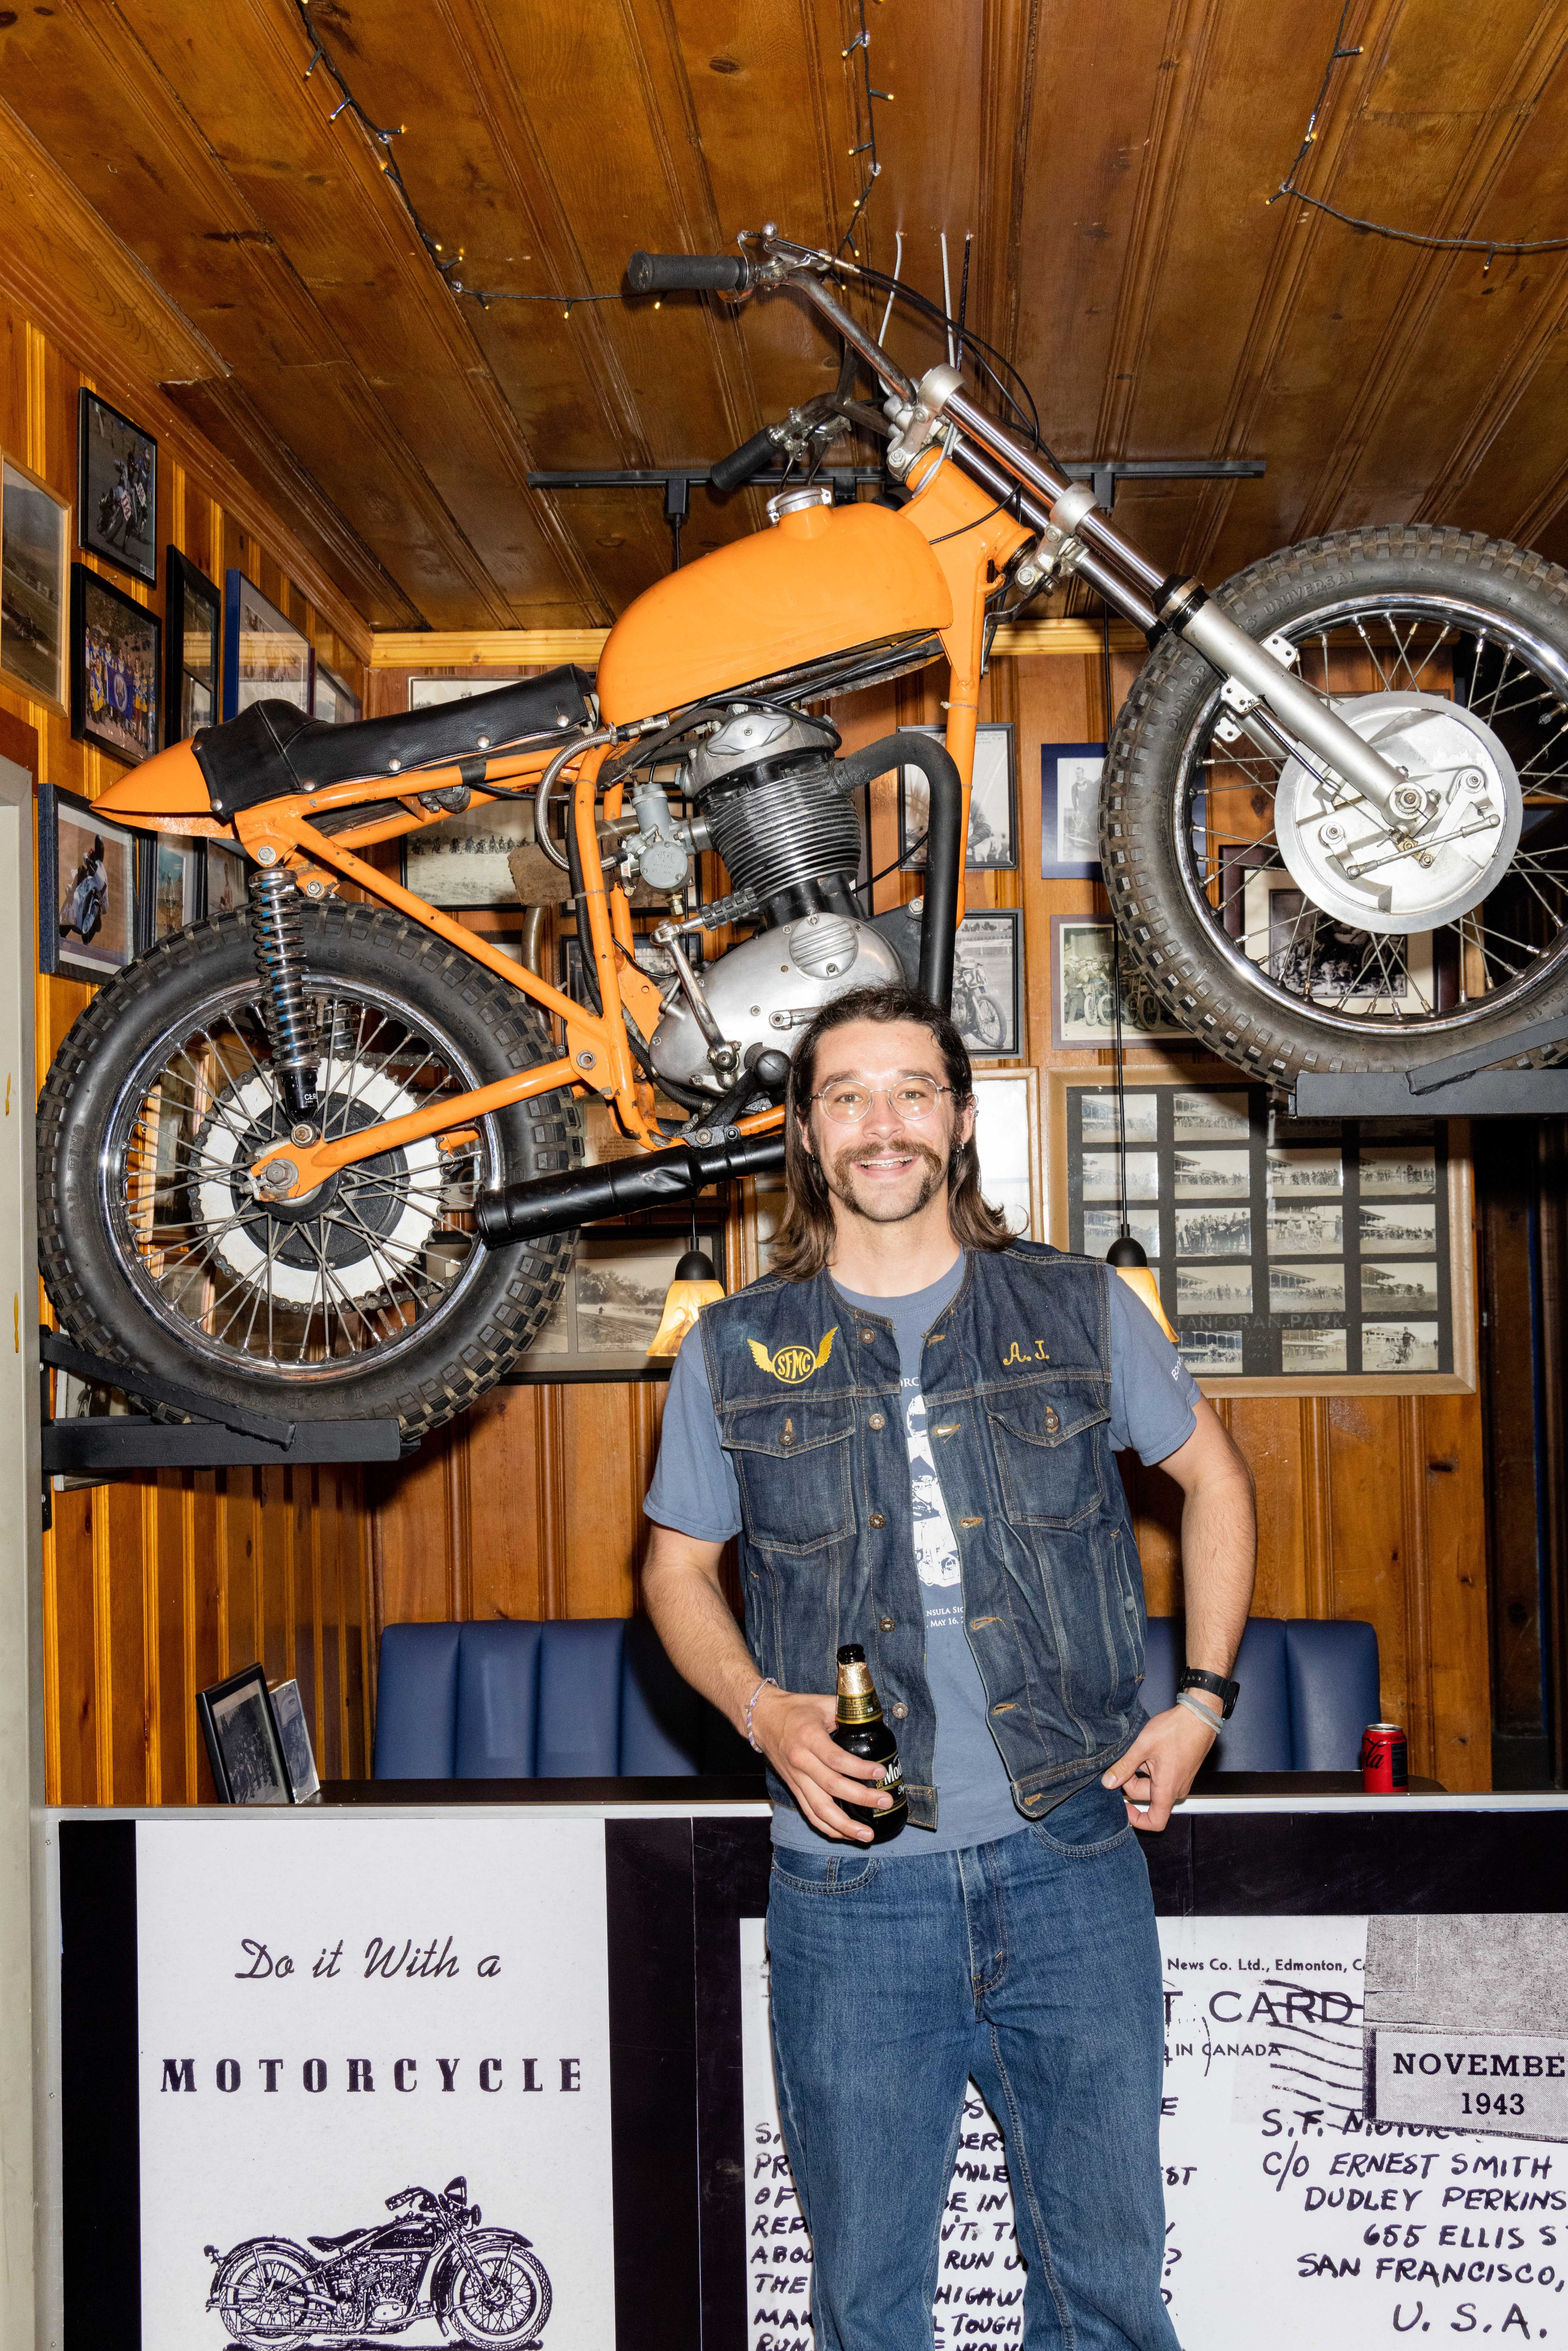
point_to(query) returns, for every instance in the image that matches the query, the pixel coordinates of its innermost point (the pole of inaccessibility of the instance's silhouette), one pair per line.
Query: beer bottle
(860, 1731)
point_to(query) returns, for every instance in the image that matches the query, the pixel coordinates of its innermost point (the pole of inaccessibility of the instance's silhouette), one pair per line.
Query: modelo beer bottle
(860, 1731)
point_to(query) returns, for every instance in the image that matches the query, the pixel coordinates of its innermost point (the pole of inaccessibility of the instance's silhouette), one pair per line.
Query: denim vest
(1016, 1374)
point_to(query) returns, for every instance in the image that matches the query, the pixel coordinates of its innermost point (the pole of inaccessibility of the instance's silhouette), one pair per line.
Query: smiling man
(911, 1423)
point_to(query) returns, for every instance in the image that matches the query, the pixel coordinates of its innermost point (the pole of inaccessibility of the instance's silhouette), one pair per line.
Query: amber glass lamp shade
(1127, 1256)
(696, 1285)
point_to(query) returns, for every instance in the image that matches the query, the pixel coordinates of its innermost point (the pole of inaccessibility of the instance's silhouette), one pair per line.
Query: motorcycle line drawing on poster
(374, 2080)
(1298, 2213)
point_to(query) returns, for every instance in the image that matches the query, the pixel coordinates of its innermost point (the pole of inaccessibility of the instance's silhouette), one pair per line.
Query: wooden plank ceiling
(1112, 158)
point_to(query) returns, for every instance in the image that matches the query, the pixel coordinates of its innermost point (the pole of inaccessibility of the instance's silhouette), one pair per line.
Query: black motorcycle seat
(272, 749)
(332, 2244)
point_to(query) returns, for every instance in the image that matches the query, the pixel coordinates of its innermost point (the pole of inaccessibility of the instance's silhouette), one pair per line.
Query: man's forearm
(693, 1620)
(1219, 1564)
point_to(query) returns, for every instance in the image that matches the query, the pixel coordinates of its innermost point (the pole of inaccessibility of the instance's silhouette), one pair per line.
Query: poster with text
(374, 2075)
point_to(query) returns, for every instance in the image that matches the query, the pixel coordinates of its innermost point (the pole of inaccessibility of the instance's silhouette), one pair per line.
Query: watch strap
(1195, 1678)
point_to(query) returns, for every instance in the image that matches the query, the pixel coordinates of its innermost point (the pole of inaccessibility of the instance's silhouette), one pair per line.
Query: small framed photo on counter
(245, 1746)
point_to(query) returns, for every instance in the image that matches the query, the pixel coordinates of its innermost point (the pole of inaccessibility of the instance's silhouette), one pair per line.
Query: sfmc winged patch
(793, 1365)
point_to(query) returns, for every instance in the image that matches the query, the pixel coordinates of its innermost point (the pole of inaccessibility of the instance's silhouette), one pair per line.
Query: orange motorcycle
(327, 1156)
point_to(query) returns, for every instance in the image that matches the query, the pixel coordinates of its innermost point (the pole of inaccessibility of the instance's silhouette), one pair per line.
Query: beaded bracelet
(767, 1682)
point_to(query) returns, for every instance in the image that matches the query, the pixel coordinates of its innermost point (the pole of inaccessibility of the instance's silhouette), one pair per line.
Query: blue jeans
(1031, 1964)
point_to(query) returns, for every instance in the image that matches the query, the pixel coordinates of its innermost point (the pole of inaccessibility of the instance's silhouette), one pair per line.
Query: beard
(839, 1170)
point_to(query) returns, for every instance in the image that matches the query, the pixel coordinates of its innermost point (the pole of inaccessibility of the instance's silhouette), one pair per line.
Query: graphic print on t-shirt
(935, 1552)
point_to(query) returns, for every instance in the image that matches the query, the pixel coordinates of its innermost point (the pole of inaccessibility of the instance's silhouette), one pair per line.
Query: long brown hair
(804, 1241)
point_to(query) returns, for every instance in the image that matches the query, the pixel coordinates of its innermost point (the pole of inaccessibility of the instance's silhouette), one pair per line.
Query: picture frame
(225, 879)
(987, 983)
(117, 489)
(87, 889)
(1262, 907)
(294, 1732)
(1082, 1009)
(1296, 1258)
(116, 668)
(245, 1746)
(171, 888)
(35, 552)
(194, 611)
(992, 846)
(1007, 1143)
(424, 692)
(460, 863)
(613, 1302)
(265, 657)
(332, 699)
(1069, 775)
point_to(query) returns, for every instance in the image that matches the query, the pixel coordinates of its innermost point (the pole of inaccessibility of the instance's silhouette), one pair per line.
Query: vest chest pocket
(1047, 1454)
(792, 1462)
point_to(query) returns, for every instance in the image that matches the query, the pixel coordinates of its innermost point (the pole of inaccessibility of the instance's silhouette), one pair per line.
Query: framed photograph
(117, 488)
(243, 1745)
(992, 846)
(288, 1712)
(461, 860)
(194, 612)
(334, 701)
(1313, 956)
(87, 889)
(116, 645)
(225, 890)
(613, 1302)
(1070, 810)
(1320, 1256)
(265, 657)
(424, 692)
(171, 886)
(1082, 1002)
(987, 983)
(34, 530)
(1007, 1137)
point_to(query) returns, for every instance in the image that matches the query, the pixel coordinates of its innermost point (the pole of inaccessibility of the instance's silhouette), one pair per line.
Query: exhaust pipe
(559, 1204)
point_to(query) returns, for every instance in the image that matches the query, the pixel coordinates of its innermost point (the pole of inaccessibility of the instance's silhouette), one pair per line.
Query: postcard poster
(334, 2013)
(1295, 2221)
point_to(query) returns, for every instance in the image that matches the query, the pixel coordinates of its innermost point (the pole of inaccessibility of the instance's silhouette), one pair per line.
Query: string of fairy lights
(379, 137)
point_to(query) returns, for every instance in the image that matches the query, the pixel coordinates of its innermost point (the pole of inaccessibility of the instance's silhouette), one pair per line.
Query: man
(910, 1423)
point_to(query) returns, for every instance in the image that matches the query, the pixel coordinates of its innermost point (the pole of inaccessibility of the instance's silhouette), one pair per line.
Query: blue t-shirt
(695, 1492)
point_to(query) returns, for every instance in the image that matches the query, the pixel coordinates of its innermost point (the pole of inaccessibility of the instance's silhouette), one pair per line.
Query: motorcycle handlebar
(688, 273)
(741, 464)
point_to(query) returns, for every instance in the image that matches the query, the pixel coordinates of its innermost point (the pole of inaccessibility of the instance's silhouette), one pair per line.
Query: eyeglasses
(846, 1103)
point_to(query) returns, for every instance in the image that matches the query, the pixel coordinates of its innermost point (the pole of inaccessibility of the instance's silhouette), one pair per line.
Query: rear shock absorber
(278, 938)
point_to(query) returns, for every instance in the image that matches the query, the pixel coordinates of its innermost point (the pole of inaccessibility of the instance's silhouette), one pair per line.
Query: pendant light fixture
(695, 1286)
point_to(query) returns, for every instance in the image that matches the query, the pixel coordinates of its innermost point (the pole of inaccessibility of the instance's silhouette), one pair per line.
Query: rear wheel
(371, 1298)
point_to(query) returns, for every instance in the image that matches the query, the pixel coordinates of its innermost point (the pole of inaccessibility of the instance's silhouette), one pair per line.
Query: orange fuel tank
(822, 580)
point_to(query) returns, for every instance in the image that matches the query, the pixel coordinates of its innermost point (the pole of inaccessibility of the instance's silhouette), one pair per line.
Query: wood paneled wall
(158, 1584)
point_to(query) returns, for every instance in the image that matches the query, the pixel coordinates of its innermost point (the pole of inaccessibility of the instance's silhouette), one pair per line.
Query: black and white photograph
(1211, 1174)
(608, 1312)
(1389, 1170)
(195, 615)
(294, 1730)
(992, 845)
(1399, 1347)
(1102, 1178)
(172, 884)
(265, 657)
(1070, 810)
(1312, 955)
(424, 692)
(34, 530)
(1398, 1288)
(334, 699)
(1214, 1232)
(225, 878)
(87, 889)
(461, 860)
(1217, 1354)
(1205, 1290)
(1304, 1174)
(1313, 1231)
(987, 983)
(1083, 996)
(1209, 1117)
(1102, 1226)
(1409, 1227)
(1306, 1289)
(1099, 1117)
(242, 1743)
(117, 489)
(1307, 1351)
(115, 654)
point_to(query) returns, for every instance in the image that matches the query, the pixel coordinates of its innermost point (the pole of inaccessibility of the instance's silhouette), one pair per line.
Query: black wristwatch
(1216, 1685)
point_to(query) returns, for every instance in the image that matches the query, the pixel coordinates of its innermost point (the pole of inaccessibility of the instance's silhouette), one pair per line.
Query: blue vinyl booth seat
(597, 1699)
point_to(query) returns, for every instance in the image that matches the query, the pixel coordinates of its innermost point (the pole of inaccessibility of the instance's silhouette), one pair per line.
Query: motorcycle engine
(766, 791)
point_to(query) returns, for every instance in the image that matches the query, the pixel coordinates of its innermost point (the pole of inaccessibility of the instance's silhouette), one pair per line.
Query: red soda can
(1384, 1770)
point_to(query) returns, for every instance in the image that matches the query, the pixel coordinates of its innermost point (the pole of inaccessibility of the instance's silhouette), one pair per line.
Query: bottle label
(893, 1775)
(859, 1709)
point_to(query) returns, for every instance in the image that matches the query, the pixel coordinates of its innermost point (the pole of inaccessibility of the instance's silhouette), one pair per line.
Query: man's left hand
(1159, 1767)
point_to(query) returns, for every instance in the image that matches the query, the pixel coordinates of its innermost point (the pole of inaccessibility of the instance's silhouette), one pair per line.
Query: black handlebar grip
(742, 462)
(688, 273)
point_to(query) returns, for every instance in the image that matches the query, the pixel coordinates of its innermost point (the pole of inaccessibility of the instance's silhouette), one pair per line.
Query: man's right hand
(795, 1733)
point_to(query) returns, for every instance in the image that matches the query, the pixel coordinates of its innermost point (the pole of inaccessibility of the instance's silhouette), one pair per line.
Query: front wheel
(371, 1298)
(501, 2297)
(1274, 917)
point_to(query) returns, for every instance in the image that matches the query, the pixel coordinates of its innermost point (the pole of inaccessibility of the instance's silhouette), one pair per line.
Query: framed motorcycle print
(992, 846)
(265, 657)
(117, 488)
(35, 527)
(116, 668)
(87, 889)
(1083, 1007)
(987, 983)
(195, 610)
(1070, 810)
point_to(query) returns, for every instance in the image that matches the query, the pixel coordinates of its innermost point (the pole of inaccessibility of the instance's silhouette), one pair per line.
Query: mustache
(856, 1154)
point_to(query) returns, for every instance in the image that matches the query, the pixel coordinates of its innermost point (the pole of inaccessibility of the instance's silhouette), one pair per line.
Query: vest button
(869, 1337)
(1050, 1420)
(876, 1519)
(884, 1624)
(899, 1711)
(877, 1421)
